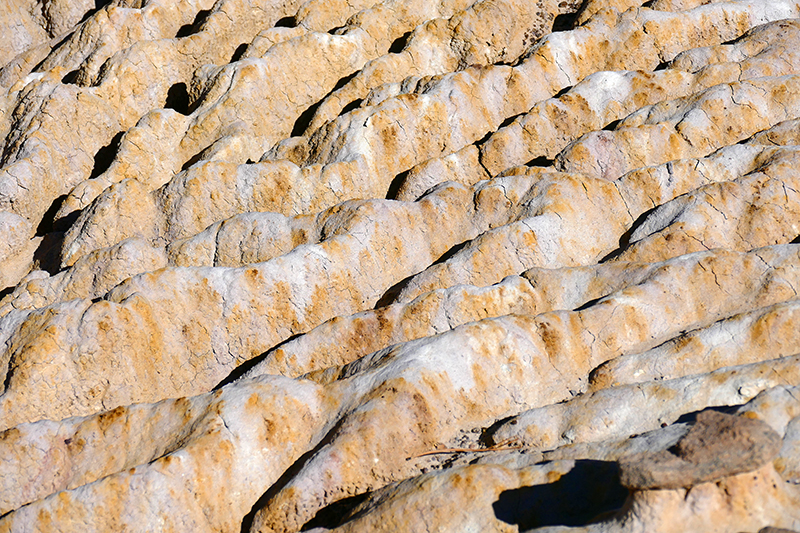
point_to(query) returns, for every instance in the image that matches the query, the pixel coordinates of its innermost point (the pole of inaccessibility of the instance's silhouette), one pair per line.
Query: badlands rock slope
(400, 265)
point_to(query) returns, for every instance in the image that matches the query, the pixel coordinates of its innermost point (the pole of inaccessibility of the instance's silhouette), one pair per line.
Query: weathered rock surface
(717, 446)
(400, 265)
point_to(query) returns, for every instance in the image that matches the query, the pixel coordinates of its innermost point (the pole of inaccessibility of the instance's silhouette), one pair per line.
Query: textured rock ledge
(395, 265)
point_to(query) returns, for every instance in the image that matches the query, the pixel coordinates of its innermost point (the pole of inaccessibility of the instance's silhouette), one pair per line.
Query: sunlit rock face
(400, 265)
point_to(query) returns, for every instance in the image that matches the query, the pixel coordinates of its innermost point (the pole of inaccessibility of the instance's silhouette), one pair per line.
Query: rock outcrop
(717, 446)
(398, 265)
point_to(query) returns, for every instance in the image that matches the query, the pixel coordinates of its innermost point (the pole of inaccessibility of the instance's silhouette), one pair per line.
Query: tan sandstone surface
(400, 265)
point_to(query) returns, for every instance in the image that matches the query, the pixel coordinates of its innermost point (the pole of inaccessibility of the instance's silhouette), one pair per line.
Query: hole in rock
(105, 155)
(586, 305)
(194, 159)
(286, 22)
(239, 52)
(398, 44)
(586, 493)
(487, 436)
(352, 105)
(337, 30)
(245, 367)
(662, 66)
(796, 240)
(613, 255)
(563, 91)
(392, 292)
(451, 252)
(190, 29)
(304, 120)
(47, 256)
(625, 238)
(396, 184)
(64, 223)
(564, 22)
(509, 120)
(540, 161)
(612, 125)
(178, 99)
(336, 513)
(648, 4)
(6, 383)
(480, 142)
(71, 77)
(3, 293)
(48, 224)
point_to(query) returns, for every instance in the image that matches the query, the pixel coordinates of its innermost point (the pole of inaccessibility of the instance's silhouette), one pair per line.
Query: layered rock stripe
(359, 265)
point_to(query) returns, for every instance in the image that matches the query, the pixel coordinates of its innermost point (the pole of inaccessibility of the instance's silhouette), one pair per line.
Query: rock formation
(400, 265)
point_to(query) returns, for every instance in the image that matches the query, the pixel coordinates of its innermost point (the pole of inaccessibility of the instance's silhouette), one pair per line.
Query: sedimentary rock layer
(400, 265)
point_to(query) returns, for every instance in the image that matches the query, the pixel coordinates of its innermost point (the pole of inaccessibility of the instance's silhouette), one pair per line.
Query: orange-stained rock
(399, 265)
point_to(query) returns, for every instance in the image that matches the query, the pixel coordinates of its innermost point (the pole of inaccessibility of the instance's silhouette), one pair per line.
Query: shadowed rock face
(717, 446)
(400, 265)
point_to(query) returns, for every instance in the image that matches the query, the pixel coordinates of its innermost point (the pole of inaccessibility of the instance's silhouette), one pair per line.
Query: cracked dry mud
(400, 265)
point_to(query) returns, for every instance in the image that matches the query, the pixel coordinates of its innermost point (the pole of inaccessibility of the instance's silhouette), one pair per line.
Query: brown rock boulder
(717, 446)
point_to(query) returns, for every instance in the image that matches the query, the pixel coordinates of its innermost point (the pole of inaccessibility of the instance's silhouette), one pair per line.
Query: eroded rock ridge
(400, 265)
